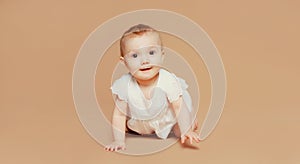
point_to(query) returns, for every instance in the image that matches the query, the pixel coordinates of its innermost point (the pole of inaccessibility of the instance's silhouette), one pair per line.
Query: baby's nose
(145, 59)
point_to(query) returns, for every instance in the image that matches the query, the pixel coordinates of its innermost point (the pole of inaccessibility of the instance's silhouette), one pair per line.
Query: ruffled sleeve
(120, 87)
(183, 84)
(186, 96)
(172, 85)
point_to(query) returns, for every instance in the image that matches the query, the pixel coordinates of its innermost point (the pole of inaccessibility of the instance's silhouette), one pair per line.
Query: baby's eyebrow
(131, 52)
(139, 49)
(153, 46)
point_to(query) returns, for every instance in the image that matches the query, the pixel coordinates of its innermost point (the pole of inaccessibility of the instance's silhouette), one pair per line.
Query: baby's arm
(184, 119)
(118, 125)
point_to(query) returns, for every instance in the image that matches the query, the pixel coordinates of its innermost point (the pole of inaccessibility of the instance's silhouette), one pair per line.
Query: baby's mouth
(146, 69)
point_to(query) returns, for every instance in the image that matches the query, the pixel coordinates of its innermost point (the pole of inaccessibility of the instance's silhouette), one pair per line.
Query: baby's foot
(115, 146)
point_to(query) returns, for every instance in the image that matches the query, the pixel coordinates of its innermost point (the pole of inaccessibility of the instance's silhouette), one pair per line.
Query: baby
(149, 99)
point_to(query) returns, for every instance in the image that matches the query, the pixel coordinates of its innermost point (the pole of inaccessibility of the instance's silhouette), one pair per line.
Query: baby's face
(143, 55)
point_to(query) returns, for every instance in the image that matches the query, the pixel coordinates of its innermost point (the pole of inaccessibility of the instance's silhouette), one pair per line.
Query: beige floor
(259, 45)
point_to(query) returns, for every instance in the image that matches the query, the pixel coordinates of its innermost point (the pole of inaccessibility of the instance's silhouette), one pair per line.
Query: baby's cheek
(156, 61)
(133, 67)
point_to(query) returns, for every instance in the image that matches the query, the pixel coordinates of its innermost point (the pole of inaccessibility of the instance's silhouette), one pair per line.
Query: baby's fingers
(193, 136)
(196, 139)
(191, 139)
(187, 137)
(115, 146)
(110, 148)
(120, 147)
(183, 138)
(107, 148)
(123, 148)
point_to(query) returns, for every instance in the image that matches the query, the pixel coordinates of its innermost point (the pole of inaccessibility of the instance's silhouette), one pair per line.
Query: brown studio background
(258, 42)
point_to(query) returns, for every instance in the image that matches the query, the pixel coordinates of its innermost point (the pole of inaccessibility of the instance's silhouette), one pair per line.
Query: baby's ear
(122, 60)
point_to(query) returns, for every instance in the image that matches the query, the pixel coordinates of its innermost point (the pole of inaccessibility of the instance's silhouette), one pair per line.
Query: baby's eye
(134, 55)
(151, 52)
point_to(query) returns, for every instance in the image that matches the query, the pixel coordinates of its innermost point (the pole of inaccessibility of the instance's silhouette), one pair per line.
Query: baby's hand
(115, 146)
(191, 135)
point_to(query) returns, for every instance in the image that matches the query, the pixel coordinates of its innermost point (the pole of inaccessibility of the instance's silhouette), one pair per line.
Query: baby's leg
(176, 130)
(130, 131)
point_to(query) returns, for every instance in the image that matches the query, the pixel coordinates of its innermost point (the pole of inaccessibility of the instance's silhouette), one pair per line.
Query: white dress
(154, 115)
